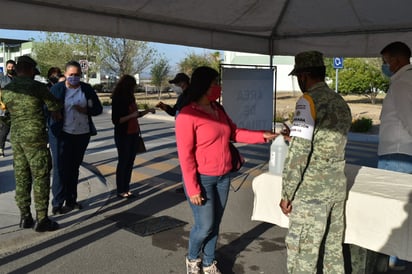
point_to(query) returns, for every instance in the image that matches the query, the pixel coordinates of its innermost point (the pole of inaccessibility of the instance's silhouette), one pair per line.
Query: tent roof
(281, 27)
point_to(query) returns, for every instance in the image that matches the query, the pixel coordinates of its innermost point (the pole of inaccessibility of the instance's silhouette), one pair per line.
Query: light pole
(107, 82)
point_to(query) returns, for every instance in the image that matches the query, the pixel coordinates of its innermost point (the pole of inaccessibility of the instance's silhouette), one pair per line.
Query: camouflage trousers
(32, 165)
(311, 225)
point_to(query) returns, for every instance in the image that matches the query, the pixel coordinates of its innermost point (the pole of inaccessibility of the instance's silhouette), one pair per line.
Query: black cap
(180, 77)
(28, 60)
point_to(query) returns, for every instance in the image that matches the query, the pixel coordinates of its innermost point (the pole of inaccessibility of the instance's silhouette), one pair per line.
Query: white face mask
(178, 90)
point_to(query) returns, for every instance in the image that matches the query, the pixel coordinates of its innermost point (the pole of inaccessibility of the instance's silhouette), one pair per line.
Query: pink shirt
(203, 143)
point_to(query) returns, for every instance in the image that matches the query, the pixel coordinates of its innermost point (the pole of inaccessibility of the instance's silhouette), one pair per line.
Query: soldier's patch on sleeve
(304, 119)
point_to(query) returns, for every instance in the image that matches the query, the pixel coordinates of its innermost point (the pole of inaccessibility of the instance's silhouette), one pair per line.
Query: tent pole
(275, 77)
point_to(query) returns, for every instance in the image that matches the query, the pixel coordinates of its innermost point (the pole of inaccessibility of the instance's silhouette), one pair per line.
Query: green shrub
(98, 87)
(362, 124)
(106, 103)
(144, 105)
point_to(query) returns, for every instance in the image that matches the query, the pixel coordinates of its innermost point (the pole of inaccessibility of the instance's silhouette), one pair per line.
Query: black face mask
(11, 72)
(53, 79)
(302, 84)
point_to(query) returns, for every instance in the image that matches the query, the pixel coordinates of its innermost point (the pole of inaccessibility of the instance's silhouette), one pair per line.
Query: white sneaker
(1, 153)
(211, 269)
(193, 266)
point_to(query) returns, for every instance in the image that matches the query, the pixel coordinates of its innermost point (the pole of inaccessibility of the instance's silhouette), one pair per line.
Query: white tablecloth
(377, 210)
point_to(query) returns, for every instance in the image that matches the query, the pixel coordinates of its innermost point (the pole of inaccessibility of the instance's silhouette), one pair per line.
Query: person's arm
(94, 106)
(186, 148)
(300, 149)
(403, 103)
(295, 165)
(167, 108)
(52, 103)
(133, 115)
(146, 111)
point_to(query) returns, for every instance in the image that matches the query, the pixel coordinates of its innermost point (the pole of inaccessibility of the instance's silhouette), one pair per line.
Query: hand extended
(197, 199)
(285, 206)
(286, 132)
(161, 105)
(268, 135)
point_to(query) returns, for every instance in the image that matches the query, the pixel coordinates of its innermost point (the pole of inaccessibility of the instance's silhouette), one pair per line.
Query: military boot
(26, 221)
(45, 224)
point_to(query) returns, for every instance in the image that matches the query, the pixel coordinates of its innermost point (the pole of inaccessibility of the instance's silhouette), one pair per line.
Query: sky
(174, 53)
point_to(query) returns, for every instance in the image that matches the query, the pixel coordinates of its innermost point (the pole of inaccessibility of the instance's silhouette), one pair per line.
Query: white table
(377, 210)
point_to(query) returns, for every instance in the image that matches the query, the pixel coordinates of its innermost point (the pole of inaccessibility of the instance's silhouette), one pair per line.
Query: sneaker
(1, 153)
(71, 206)
(57, 210)
(211, 269)
(396, 264)
(193, 266)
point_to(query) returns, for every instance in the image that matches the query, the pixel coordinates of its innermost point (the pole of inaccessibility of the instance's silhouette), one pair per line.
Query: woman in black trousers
(126, 131)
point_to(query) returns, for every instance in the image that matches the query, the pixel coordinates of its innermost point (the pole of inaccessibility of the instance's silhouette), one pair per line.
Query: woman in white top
(70, 136)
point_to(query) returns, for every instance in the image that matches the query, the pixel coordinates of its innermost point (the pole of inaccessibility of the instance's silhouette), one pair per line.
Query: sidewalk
(92, 190)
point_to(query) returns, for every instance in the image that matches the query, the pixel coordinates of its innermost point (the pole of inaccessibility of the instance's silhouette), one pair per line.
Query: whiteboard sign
(248, 97)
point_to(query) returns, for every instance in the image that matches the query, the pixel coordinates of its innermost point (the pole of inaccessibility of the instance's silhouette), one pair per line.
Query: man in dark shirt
(181, 83)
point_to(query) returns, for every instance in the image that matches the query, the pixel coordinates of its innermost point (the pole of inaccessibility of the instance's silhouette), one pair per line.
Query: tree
(193, 60)
(123, 56)
(160, 72)
(87, 48)
(59, 48)
(54, 51)
(359, 75)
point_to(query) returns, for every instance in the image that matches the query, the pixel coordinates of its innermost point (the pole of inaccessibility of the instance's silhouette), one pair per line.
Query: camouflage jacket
(25, 99)
(314, 167)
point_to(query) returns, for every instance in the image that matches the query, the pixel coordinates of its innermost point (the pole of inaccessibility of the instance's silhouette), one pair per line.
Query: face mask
(178, 90)
(214, 93)
(73, 80)
(302, 85)
(11, 72)
(386, 70)
(53, 79)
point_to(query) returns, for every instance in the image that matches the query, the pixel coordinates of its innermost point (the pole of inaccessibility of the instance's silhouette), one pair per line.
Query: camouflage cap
(28, 60)
(306, 61)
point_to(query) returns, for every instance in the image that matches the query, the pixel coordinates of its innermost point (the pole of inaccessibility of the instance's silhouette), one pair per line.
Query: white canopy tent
(351, 28)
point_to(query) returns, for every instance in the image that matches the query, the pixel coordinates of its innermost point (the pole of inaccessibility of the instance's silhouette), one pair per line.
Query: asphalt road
(106, 241)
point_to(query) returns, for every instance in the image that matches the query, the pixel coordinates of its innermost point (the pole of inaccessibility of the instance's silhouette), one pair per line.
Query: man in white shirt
(395, 131)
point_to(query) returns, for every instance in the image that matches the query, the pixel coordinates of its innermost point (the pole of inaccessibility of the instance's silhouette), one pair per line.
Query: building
(11, 49)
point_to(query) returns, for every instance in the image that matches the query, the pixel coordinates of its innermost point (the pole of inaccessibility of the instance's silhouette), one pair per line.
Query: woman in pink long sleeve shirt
(203, 132)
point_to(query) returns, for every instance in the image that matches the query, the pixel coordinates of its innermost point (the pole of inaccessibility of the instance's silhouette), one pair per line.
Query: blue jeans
(400, 163)
(58, 190)
(207, 217)
(126, 148)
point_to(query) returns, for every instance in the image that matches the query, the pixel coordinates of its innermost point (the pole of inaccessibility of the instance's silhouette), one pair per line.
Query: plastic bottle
(278, 152)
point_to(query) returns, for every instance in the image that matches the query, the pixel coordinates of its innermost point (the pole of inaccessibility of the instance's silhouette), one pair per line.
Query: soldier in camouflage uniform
(314, 183)
(25, 99)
